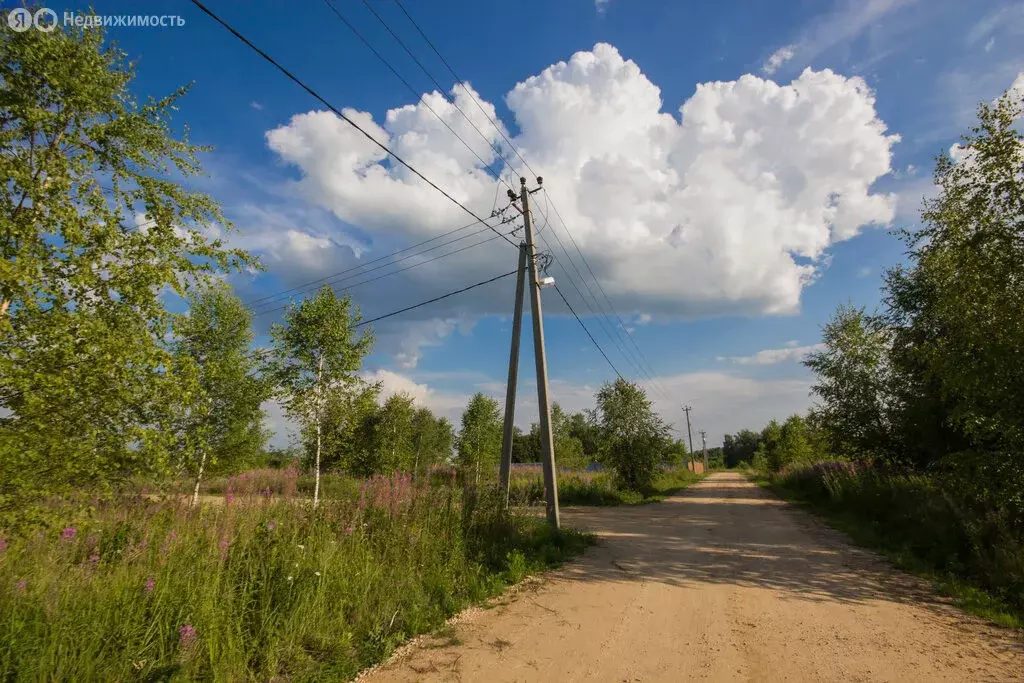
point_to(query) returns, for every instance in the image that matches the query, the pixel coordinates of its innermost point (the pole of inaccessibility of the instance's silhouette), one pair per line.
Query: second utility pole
(704, 442)
(547, 446)
(689, 434)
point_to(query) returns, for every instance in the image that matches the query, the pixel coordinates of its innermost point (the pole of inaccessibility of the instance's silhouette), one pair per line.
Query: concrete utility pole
(689, 435)
(505, 472)
(704, 445)
(547, 444)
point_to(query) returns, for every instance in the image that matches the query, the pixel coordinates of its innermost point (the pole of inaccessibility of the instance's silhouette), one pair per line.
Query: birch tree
(317, 349)
(97, 232)
(223, 426)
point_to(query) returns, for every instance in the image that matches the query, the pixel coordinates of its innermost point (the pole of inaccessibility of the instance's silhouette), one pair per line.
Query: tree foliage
(479, 442)
(740, 448)
(316, 354)
(94, 236)
(222, 427)
(632, 434)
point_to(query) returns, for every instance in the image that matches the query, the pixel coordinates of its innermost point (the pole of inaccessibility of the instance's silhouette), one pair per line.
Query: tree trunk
(199, 478)
(316, 475)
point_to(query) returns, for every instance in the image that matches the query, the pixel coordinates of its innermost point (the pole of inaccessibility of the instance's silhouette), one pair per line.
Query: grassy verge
(597, 488)
(907, 521)
(258, 588)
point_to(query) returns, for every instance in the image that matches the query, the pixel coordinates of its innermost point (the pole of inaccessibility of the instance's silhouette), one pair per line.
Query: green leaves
(479, 443)
(633, 435)
(86, 369)
(221, 427)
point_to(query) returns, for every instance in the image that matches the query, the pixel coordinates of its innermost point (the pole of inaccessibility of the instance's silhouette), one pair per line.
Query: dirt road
(722, 583)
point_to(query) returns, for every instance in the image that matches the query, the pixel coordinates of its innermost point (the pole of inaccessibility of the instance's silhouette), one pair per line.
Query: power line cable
(340, 114)
(463, 84)
(400, 270)
(498, 128)
(586, 303)
(437, 298)
(603, 318)
(607, 299)
(441, 88)
(419, 96)
(594, 341)
(342, 274)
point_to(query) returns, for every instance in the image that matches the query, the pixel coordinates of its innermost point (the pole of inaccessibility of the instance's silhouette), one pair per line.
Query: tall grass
(260, 586)
(923, 526)
(594, 488)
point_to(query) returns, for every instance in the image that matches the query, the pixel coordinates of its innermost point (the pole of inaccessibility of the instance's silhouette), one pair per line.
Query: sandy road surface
(722, 583)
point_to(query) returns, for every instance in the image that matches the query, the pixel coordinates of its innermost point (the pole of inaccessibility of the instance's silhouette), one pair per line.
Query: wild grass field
(261, 585)
(578, 487)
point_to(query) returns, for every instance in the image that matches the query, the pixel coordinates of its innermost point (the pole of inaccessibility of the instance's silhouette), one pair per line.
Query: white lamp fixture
(546, 282)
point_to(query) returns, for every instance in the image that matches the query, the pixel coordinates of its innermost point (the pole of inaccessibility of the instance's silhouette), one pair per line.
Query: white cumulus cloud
(726, 206)
(777, 59)
(791, 353)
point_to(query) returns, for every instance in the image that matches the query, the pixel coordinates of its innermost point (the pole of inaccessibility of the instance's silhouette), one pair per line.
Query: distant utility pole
(547, 445)
(704, 442)
(689, 435)
(505, 472)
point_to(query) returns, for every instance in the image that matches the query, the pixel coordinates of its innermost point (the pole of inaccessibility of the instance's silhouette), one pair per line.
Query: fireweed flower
(150, 585)
(68, 533)
(186, 635)
(21, 585)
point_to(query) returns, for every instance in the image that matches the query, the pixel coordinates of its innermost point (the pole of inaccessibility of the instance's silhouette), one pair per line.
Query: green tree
(674, 452)
(85, 368)
(316, 354)
(632, 433)
(740, 447)
(479, 442)
(432, 440)
(225, 419)
(584, 426)
(768, 456)
(348, 428)
(393, 434)
(568, 449)
(526, 447)
(854, 383)
(957, 311)
(795, 441)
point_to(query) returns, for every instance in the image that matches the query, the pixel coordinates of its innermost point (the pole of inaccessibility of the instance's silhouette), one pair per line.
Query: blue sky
(732, 228)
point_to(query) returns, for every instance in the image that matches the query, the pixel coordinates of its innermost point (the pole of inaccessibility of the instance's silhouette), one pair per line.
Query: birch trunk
(316, 476)
(199, 478)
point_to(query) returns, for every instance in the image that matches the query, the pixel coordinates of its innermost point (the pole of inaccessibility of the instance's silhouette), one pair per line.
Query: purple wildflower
(172, 536)
(271, 525)
(150, 585)
(143, 544)
(68, 533)
(22, 585)
(348, 530)
(94, 558)
(186, 635)
(3, 545)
